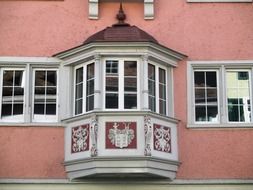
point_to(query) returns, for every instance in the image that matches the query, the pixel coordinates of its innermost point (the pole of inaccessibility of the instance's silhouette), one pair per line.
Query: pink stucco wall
(208, 31)
(31, 152)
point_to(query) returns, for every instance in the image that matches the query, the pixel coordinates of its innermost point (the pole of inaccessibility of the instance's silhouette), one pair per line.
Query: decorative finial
(121, 16)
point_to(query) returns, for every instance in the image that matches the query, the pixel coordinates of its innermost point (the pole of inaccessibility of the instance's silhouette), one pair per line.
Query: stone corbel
(148, 9)
(93, 9)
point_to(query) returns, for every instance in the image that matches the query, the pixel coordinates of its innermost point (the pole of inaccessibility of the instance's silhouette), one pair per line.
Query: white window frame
(19, 118)
(218, 95)
(221, 67)
(84, 66)
(250, 91)
(45, 118)
(121, 82)
(168, 86)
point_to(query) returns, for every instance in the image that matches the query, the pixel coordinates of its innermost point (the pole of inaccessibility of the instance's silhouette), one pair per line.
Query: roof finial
(121, 16)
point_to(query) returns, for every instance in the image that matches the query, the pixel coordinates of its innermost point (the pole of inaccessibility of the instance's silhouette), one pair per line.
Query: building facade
(149, 94)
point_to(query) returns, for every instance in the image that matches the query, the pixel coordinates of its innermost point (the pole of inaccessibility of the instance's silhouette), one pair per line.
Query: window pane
(18, 91)
(111, 101)
(162, 78)
(39, 109)
(112, 84)
(233, 113)
(79, 75)
(151, 71)
(90, 87)
(79, 91)
(7, 91)
(51, 90)
(19, 78)
(51, 78)
(200, 96)
(89, 103)
(8, 78)
(200, 113)
(211, 95)
(40, 78)
(18, 109)
(50, 109)
(211, 79)
(212, 113)
(6, 109)
(78, 106)
(199, 78)
(151, 88)
(162, 91)
(130, 84)
(162, 107)
(111, 67)
(130, 101)
(130, 68)
(90, 71)
(39, 94)
(152, 105)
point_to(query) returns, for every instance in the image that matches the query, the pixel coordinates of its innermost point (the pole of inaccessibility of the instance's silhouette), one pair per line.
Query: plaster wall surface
(207, 31)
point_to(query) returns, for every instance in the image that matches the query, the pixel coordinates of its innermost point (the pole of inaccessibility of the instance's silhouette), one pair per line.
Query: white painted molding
(93, 9)
(25, 60)
(219, 1)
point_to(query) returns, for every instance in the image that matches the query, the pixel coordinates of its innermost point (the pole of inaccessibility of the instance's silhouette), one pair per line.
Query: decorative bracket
(148, 8)
(148, 135)
(93, 9)
(93, 135)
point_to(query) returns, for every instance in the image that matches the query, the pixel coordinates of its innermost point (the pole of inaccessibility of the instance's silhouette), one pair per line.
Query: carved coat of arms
(121, 138)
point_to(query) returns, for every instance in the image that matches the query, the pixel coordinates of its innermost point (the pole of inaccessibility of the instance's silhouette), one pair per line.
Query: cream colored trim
(219, 1)
(144, 182)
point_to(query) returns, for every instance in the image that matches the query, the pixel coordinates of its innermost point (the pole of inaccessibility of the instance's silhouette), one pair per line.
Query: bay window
(220, 94)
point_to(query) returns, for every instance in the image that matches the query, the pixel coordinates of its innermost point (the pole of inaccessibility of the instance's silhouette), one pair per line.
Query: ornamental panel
(162, 138)
(80, 138)
(121, 135)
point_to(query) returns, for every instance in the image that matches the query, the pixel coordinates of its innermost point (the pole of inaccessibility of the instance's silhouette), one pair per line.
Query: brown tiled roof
(121, 33)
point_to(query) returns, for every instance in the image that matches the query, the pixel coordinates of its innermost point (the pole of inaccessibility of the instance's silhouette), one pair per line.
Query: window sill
(12, 124)
(221, 126)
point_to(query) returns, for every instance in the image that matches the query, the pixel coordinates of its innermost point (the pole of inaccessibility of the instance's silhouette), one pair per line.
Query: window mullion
(121, 92)
(84, 87)
(223, 95)
(12, 95)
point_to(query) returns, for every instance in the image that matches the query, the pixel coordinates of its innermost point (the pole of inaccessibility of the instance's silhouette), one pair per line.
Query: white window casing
(227, 88)
(45, 117)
